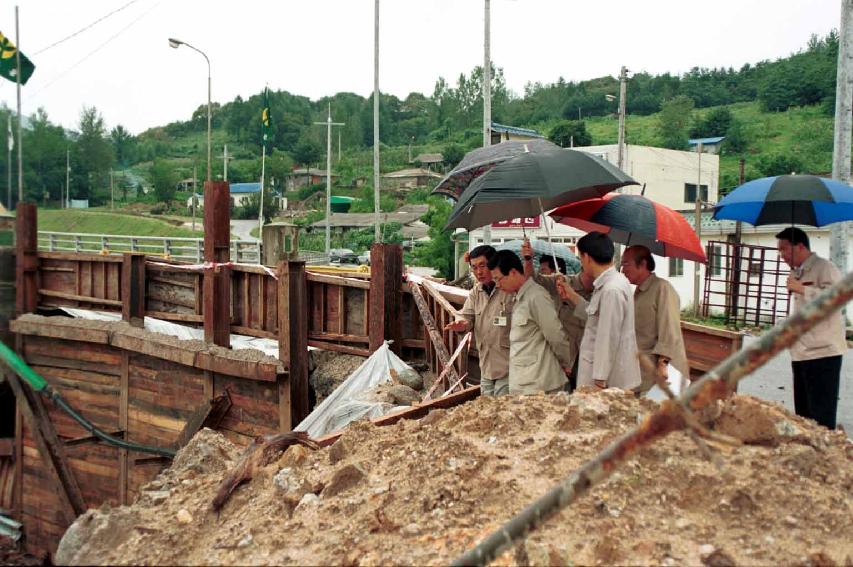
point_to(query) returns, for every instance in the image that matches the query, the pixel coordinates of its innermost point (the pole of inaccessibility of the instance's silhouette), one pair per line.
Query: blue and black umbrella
(788, 199)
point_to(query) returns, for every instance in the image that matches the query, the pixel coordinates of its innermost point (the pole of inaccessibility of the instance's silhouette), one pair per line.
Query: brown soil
(421, 492)
(11, 555)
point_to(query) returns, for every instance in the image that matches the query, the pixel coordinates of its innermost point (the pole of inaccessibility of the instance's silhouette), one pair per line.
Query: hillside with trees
(777, 115)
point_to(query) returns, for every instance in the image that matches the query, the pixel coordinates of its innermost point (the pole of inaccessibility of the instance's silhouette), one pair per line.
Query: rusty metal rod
(715, 385)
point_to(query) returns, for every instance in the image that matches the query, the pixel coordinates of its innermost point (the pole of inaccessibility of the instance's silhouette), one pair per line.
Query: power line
(78, 32)
(117, 34)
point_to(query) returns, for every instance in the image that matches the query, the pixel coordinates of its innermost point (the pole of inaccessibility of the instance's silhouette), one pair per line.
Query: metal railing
(175, 248)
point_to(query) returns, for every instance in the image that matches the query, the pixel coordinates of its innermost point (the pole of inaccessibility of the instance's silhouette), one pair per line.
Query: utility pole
(843, 124)
(328, 124)
(377, 232)
(225, 159)
(112, 192)
(339, 146)
(623, 89)
(735, 273)
(195, 195)
(67, 178)
(698, 226)
(487, 94)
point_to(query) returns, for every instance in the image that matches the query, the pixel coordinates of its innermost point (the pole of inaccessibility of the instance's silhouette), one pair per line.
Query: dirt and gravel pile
(421, 492)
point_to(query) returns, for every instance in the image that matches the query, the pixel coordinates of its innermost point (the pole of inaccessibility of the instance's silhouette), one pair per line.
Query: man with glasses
(488, 310)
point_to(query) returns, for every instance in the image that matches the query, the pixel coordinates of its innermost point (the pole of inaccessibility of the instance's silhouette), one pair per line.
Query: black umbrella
(530, 183)
(477, 162)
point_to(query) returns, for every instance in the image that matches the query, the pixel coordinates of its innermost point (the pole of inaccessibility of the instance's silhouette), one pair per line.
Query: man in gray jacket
(538, 346)
(608, 356)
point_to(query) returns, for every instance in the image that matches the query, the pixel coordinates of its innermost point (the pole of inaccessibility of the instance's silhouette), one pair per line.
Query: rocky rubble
(421, 492)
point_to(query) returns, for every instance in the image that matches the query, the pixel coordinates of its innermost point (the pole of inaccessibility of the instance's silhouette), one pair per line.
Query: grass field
(92, 222)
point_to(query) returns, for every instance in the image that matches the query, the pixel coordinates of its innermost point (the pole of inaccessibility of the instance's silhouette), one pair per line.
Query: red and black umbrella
(634, 219)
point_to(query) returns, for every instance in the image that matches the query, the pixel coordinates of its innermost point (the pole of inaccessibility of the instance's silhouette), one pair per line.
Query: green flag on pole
(8, 62)
(266, 127)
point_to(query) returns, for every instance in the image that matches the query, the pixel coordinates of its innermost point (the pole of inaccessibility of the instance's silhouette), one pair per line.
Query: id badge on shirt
(499, 321)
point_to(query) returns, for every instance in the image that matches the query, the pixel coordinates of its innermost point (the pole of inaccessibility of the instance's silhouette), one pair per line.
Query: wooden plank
(78, 257)
(414, 343)
(434, 334)
(50, 448)
(209, 414)
(386, 265)
(285, 420)
(217, 282)
(415, 412)
(133, 289)
(122, 423)
(337, 281)
(261, 371)
(169, 281)
(80, 298)
(292, 299)
(180, 317)
(252, 332)
(440, 299)
(26, 258)
(339, 348)
(338, 337)
(59, 330)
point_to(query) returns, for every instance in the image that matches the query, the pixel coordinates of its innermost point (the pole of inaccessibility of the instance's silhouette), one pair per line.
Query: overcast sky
(124, 66)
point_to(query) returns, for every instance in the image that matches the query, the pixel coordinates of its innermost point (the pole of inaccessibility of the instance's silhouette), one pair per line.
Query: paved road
(774, 382)
(241, 228)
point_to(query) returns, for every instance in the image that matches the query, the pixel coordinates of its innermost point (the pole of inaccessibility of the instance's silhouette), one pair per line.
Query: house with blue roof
(239, 193)
(708, 145)
(503, 133)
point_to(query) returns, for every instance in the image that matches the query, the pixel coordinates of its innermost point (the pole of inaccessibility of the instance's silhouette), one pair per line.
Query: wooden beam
(338, 281)
(26, 259)
(415, 412)
(79, 298)
(217, 282)
(50, 448)
(345, 349)
(338, 337)
(386, 268)
(440, 299)
(209, 414)
(133, 289)
(434, 333)
(87, 439)
(123, 405)
(293, 341)
(182, 317)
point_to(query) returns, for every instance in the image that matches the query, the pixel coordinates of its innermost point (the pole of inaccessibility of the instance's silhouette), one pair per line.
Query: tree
(165, 180)
(44, 170)
(307, 152)
(453, 154)
(673, 122)
(570, 131)
(715, 123)
(123, 145)
(438, 252)
(94, 156)
(779, 164)
(249, 209)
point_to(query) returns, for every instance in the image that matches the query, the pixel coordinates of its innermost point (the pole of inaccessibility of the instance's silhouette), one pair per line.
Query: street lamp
(176, 43)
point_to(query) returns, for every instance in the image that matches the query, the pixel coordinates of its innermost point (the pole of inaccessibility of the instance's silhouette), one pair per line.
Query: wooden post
(292, 344)
(434, 333)
(386, 300)
(217, 281)
(49, 447)
(133, 289)
(26, 259)
(123, 406)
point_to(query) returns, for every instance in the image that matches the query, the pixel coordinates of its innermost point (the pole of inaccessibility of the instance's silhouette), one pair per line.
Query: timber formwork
(154, 390)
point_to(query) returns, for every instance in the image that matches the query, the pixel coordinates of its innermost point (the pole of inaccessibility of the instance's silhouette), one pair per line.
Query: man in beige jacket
(816, 356)
(488, 311)
(539, 350)
(608, 357)
(657, 316)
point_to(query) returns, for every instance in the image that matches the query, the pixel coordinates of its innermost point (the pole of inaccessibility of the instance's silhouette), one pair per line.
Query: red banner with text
(520, 222)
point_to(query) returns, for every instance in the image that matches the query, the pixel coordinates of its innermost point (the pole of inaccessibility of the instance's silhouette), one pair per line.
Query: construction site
(223, 413)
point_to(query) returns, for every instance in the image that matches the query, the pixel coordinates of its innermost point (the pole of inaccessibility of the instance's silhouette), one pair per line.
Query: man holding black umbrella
(816, 356)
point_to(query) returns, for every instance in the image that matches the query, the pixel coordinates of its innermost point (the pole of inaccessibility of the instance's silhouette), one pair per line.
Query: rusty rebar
(715, 385)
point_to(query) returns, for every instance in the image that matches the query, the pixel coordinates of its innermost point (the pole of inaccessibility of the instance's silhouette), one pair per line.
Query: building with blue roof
(709, 145)
(503, 133)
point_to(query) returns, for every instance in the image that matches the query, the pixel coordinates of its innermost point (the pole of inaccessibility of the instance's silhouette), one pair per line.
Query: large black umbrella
(531, 183)
(477, 162)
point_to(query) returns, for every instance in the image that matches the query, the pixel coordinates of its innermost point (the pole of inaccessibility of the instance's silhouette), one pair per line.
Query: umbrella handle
(548, 233)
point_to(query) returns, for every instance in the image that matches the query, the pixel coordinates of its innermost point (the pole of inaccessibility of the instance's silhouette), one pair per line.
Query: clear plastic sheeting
(352, 399)
(182, 332)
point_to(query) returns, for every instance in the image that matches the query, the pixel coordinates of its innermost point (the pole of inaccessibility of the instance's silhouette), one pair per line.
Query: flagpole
(18, 82)
(9, 143)
(261, 210)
